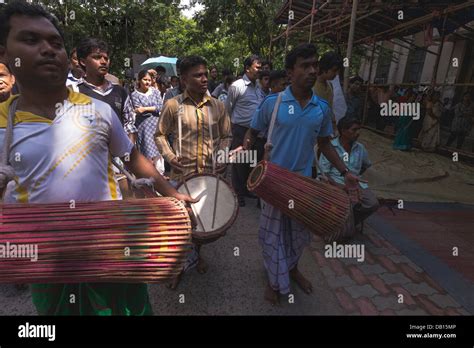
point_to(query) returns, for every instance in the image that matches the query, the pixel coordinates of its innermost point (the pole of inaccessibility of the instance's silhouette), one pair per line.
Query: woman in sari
(429, 135)
(145, 106)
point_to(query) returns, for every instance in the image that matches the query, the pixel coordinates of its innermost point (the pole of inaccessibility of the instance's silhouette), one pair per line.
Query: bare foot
(202, 266)
(271, 295)
(174, 284)
(302, 282)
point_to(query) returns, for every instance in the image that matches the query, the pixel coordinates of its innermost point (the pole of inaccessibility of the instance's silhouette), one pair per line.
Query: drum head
(225, 203)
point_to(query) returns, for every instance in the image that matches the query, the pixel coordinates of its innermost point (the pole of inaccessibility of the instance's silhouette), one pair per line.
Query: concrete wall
(452, 72)
(365, 66)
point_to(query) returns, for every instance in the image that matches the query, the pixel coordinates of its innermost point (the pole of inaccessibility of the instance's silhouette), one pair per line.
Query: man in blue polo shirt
(302, 120)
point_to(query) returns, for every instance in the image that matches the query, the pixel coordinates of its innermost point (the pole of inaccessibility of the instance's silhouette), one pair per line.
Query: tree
(127, 26)
(248, 23)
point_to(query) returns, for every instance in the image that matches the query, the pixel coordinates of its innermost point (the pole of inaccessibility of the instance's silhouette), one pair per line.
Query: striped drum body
(321, 207)
(132, 241)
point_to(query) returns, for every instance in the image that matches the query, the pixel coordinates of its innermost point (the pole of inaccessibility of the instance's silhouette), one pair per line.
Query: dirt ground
(416, 175)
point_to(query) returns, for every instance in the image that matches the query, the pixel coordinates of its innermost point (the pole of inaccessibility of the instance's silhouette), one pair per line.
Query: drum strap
(7, 172)
(272, 122)
(211, 120)
(180, 124)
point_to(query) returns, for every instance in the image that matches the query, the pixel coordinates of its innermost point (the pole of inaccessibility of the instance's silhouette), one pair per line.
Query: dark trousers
(240, 171)
(367, 206)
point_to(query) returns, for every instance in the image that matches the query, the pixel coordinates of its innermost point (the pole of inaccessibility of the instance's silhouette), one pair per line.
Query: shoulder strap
(211, 123)
(180, 123)
(274, 116)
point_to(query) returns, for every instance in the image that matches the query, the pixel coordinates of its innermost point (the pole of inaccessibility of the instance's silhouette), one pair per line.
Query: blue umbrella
(169, 63)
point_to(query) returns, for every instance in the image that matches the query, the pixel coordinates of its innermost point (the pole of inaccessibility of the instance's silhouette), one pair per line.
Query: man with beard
(301, 120)
(58, 164)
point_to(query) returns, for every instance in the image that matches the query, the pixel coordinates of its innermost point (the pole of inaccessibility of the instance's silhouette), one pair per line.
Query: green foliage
(225, 32)
(244, 26)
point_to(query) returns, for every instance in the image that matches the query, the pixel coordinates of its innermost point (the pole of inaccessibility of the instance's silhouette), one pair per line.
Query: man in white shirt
(65, 141)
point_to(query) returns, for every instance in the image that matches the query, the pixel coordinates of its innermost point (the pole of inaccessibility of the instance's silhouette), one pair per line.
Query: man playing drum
(60, 151)
(301, 120)
(187, 117)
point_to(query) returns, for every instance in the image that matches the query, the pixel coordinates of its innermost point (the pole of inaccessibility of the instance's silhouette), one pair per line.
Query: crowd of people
(437, 116)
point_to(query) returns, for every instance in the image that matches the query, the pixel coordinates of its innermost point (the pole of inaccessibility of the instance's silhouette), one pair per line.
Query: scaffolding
(366, 22)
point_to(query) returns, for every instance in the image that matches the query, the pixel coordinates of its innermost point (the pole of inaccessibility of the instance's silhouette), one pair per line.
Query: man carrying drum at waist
(188, 117)
(57, 146)
(301, 120)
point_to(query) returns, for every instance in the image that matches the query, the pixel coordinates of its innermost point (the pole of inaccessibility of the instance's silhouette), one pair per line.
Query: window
(383, 65)
(414, 67)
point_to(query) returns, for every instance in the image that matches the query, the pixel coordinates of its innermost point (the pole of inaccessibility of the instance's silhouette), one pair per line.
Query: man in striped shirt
(205, 129)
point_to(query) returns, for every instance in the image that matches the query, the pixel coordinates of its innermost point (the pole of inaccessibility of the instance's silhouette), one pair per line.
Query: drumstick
(123, 170)
(180, 129)
(192, 206)
(215, 201)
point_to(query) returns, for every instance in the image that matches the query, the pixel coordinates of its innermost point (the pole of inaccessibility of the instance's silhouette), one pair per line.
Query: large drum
(217, 209)
(322, 208)
(137, 240)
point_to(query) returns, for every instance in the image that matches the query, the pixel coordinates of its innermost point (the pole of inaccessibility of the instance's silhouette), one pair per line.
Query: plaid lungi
(282, 240)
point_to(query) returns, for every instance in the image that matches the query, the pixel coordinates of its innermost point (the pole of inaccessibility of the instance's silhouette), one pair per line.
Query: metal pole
(350, 43)
(313, 12)
(368, 82)
(288, 27)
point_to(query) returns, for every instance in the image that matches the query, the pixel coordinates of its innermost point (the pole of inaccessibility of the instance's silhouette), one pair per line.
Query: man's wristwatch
(344, 172)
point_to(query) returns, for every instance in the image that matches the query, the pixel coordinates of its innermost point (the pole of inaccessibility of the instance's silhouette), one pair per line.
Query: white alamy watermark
(37, 331)
(237, 156)
(345, 251)
(400, 109)
(19, 251)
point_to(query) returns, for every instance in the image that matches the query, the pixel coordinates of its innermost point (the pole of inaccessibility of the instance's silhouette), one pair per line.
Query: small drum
(217, 209)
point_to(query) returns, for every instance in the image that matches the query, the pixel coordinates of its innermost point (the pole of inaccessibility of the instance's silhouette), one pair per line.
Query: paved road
(397, 262)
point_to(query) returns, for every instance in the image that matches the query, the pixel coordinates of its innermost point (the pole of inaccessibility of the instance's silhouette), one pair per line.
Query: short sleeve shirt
(68, 158)
(356, 161)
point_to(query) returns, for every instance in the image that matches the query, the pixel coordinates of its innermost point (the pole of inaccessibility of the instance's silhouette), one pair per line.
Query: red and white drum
(217, 208)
